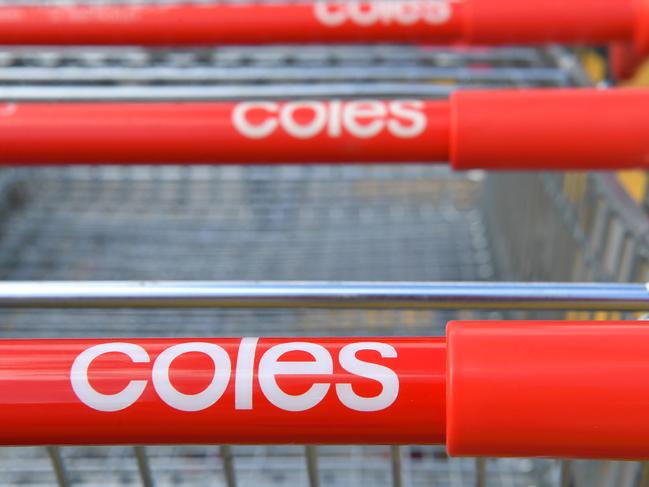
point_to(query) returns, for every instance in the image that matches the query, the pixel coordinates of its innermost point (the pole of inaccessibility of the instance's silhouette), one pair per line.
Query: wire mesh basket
(393, 223)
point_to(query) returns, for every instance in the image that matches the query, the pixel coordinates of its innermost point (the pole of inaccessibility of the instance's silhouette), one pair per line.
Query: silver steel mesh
(272, 71)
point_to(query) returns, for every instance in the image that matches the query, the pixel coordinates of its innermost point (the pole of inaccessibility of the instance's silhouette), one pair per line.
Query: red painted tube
(233, 391)
(382, 21)
(555, 389)
(255, 132)
(493, 388)
(442, 21)
(523, 130)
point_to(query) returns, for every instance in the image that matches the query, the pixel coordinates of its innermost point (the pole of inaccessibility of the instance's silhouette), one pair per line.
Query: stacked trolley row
(396, 223)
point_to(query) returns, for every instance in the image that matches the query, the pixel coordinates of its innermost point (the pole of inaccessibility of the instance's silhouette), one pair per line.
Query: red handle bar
(536, 129)
(440, 21)
(490, 388)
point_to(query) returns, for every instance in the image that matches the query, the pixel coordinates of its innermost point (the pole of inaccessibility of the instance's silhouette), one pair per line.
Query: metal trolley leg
(228, 466)
(312, 465)
(143, 466)
(565, 479)
(480, 472)
(61, 472)
(395, 453)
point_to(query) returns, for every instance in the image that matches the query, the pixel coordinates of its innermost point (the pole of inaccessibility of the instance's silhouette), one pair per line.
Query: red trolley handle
(536, 129)
(424, 21)
(490, 388)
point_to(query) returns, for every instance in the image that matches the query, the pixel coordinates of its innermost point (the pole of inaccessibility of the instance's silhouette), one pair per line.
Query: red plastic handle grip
(477, 21)
(537, 21)
(523, 130)
(550, 129)
(555, 389)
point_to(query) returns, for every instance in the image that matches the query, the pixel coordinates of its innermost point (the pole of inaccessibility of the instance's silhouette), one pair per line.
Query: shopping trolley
(411, 222)
(622, 24)
(426, 21)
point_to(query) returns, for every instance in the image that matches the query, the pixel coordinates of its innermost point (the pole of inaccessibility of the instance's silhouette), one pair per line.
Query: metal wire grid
(603, 234)
(329, 222)
(325, 223)
(272, 71)
(611, 229)
(280, 466)
(598, 233)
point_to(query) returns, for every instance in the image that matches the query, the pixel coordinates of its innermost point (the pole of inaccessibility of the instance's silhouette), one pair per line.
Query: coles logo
(368, 13)
(269, 368)
(307, 119)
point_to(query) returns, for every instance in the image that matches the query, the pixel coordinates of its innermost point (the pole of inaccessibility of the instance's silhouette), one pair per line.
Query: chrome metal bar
(203, 74)
(58, 463)
(360, 295)
(222, 92)
(146, 475)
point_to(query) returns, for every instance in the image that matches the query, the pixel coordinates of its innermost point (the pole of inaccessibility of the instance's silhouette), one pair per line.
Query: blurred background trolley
(389, 223)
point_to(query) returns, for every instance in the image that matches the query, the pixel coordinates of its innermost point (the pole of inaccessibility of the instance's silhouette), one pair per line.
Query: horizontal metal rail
(70, 92)
(440, 295)
(76, 75)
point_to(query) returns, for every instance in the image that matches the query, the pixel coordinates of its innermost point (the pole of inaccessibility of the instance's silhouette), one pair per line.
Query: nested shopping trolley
(621, 24)
(381, 253)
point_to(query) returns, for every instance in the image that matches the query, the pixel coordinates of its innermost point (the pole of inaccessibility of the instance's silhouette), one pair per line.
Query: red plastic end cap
(575, 390)
(550, 129)
(642, 27)
(624, 59)
(627, 57)
(537, 21)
